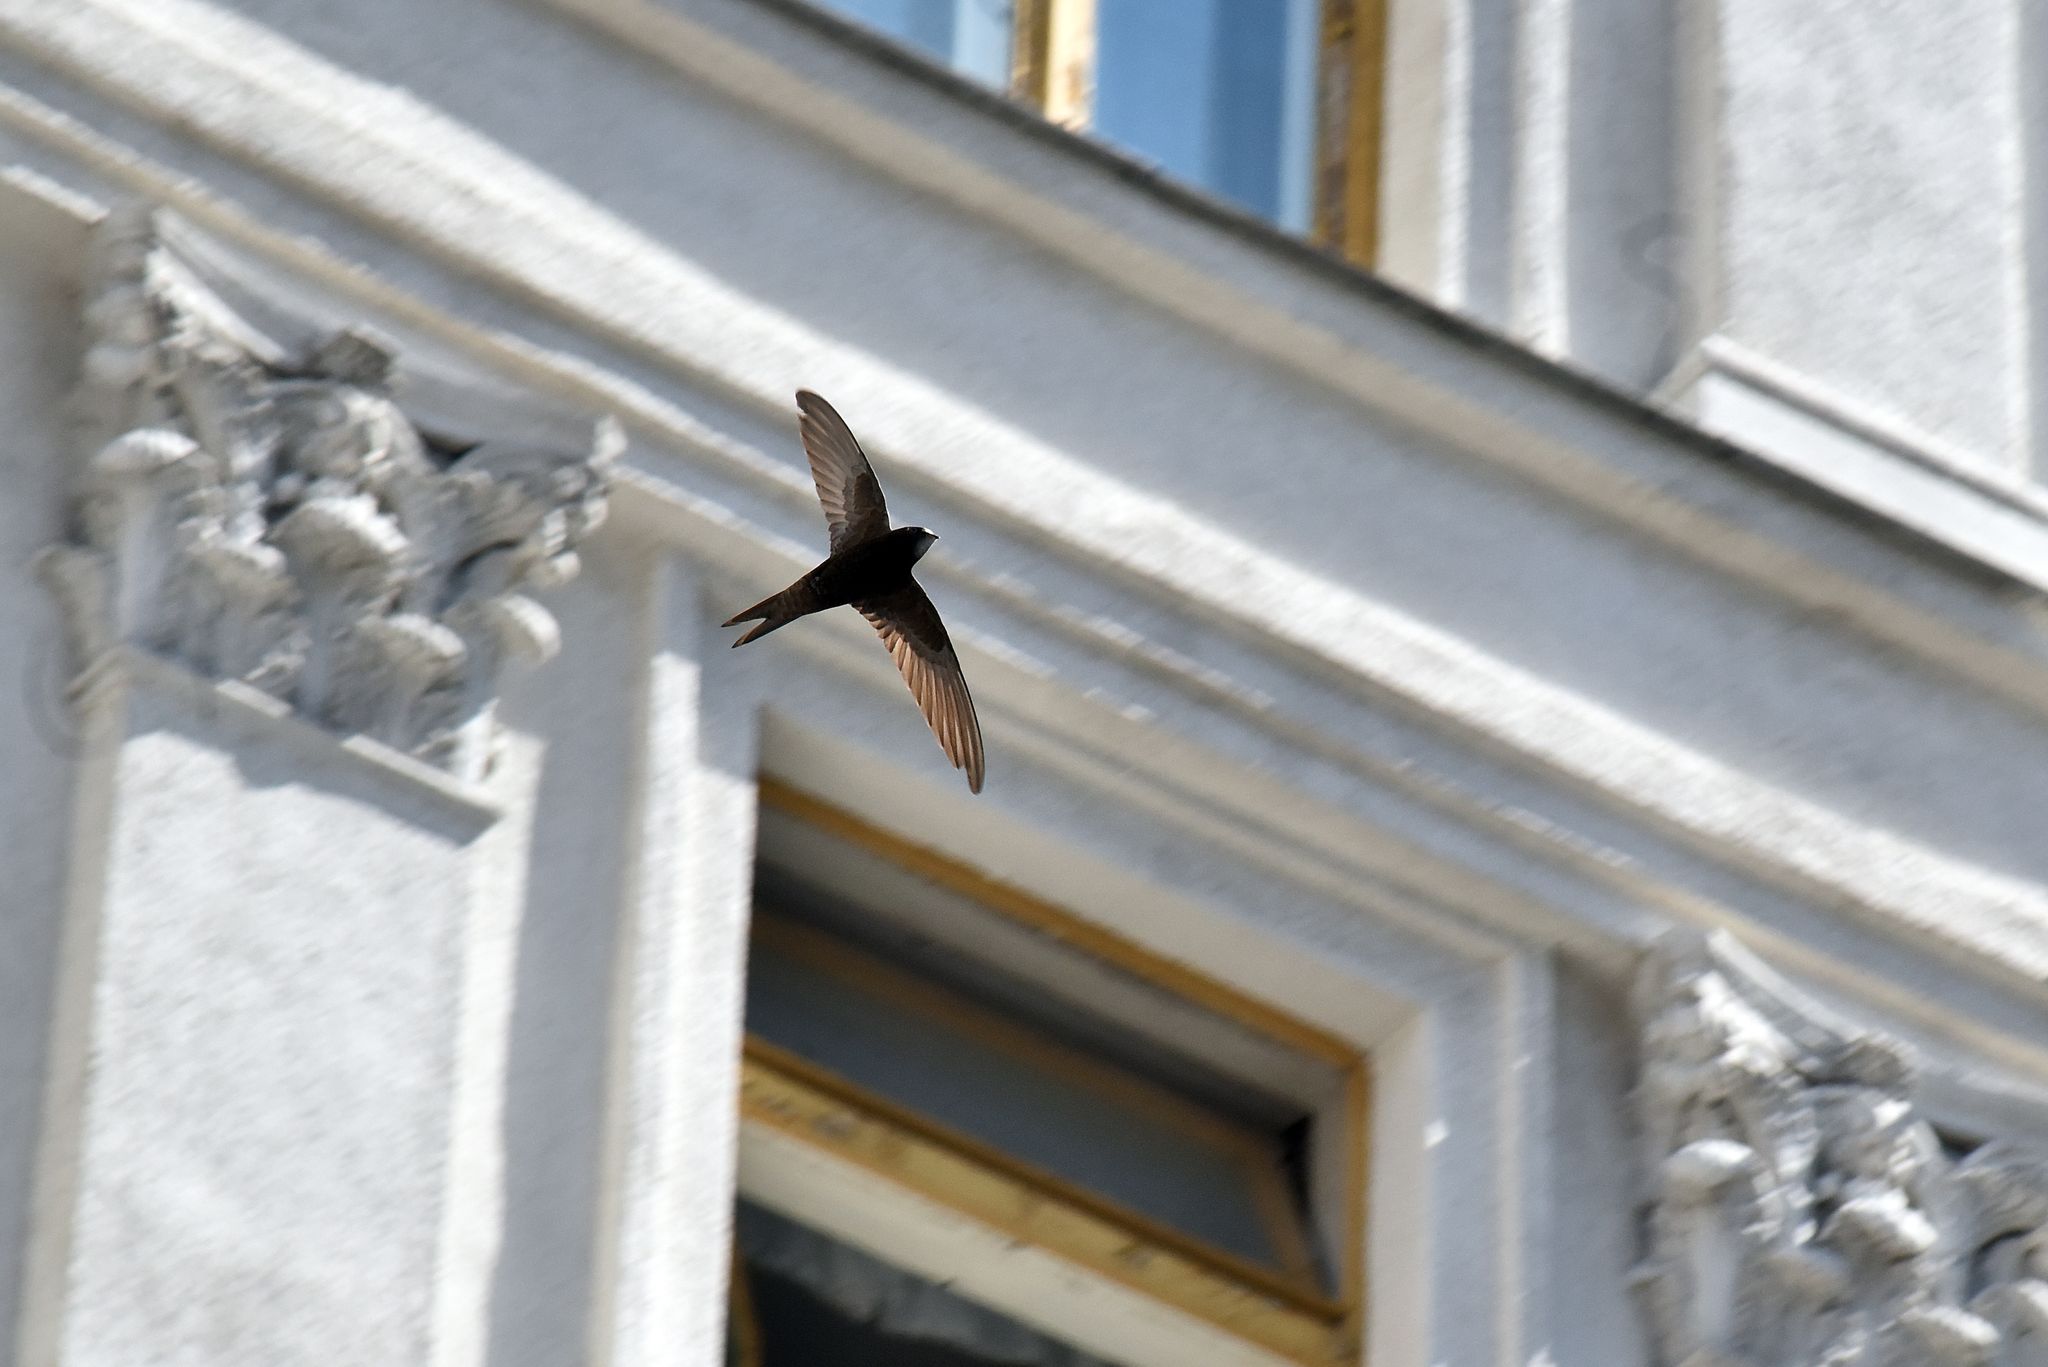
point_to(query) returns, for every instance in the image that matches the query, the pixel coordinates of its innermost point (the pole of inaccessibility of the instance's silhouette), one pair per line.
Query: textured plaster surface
(672, 1129)
(37, 737)
(1330, 810)
(772, 229)
(1594, 1319)
(263, 1141)
(1869, 206)
(582, 714)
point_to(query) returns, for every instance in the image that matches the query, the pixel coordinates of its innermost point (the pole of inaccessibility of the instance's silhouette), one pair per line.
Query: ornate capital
(1800, 1209)
(269, 497)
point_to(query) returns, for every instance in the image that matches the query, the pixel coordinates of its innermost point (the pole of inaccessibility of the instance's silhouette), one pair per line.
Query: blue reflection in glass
(970, 36)
(1217, 92)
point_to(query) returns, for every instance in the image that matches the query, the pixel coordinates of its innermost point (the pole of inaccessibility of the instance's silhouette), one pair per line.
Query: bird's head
(921, 541)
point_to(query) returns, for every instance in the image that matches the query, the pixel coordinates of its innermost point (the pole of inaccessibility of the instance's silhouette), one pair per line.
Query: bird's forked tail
(776, 610)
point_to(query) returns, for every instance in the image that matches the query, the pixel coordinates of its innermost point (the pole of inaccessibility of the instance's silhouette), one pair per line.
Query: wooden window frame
(1053, 71)
(1052, 63)
(1351, 66)
(943, 1007)
(786, 1094)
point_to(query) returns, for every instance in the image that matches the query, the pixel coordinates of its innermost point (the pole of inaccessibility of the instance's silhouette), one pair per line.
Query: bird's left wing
(917, 641)
(847, 488)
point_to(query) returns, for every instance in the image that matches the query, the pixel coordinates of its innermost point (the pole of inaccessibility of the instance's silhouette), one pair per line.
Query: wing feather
(847, 489)
(910, 627)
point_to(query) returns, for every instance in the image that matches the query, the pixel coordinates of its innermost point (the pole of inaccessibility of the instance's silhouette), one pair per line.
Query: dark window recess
(812, 1301)
(1063, 1063)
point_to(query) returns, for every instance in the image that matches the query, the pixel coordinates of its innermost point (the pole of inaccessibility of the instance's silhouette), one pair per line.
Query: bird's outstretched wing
(852, 499)
(917, 640)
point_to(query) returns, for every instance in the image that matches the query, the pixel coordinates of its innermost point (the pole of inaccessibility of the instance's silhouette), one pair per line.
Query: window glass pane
(1217, 92)
(971, 36)
(1076, 1114)
(898, 999)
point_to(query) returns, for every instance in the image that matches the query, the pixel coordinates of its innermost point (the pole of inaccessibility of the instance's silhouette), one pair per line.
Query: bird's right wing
(917, 641)
(852, 499)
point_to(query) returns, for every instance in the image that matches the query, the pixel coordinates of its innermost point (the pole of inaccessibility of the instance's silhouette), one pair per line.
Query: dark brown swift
(869, 569)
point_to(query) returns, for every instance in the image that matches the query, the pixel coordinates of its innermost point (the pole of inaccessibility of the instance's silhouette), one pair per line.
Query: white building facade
(1514, 829)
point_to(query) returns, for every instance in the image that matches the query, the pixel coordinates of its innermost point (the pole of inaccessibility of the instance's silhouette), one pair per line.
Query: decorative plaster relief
(273, 503)
(1801, 1211)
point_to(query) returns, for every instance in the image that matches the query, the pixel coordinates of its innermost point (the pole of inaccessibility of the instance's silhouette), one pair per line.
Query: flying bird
(869, 569)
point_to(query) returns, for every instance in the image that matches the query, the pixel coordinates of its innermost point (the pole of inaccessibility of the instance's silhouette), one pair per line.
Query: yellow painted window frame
(1053, 71)
(798, 1099)
(947, 1010)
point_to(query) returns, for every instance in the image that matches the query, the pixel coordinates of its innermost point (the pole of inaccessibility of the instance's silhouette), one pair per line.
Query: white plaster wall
(1589, 152)
(252, 1164)
(2030, 68)
(1845, 193)
(1351, 844)
(37, 736)
(581, 714)
(1627, 304)
(1594, 1318)
(672, 1117)
(1071, 361)
(1868, 158)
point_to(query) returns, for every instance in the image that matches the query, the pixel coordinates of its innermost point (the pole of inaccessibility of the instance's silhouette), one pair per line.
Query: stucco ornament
(265, 499)
(1800, 1210)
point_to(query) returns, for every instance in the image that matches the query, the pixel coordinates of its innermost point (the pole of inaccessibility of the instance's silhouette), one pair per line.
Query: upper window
(1218, 92)
(1053, 1081)
(971, 36)
(1271, 104)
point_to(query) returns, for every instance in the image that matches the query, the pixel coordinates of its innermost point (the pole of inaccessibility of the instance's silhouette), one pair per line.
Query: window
(971, 36)
(1271, 104)
(1218, 92)
(970, 1044)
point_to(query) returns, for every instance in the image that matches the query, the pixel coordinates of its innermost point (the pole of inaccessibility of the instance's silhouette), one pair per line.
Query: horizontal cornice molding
(381, 154)
(1745, 513)
(1878, 463)
(447, 191)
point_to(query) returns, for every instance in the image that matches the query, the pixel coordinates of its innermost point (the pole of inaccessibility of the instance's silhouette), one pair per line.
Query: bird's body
(861, 573)
(869, 570)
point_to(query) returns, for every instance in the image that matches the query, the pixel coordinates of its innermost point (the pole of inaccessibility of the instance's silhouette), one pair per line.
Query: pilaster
(297, 569)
